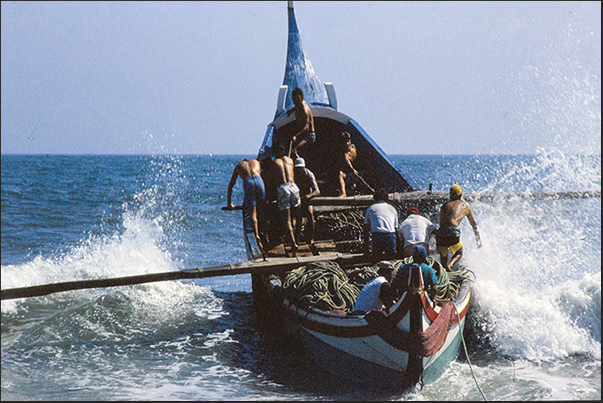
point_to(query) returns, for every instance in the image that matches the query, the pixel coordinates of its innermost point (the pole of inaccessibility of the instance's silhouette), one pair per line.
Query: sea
(533, 330)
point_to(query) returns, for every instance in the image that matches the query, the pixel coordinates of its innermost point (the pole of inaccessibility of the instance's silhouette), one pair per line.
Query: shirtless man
(348, 156)
(308, 188)
(448, 236)
(253, 188)
(305, 122)
(288, 192)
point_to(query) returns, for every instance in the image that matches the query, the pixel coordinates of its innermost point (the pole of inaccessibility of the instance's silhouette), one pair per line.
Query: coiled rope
(326, 286)
(321, 285)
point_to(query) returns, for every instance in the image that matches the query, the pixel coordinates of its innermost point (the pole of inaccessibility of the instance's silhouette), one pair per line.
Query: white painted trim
(282, 96)
(331, 95)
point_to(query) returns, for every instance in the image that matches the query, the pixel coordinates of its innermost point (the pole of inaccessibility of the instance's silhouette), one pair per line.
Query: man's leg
(455, 258)
(309, 235)
(342, 192)
(254, 220)
(443, 251)
(286, 214)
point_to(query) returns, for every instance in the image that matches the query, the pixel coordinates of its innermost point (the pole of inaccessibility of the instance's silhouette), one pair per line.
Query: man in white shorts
(288, 192)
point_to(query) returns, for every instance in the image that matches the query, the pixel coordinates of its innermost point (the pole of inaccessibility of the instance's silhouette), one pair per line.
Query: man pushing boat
(254, 192)
(288, 192)
(448, 236)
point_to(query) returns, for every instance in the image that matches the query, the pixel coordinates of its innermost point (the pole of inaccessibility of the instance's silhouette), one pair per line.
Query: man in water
(288, 192)
(304, 120)
(448, 236)
(415, 230)
(381, 221)
(308, 188)
(253, 188)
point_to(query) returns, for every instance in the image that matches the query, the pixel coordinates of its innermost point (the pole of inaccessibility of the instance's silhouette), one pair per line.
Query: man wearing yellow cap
(448, 236)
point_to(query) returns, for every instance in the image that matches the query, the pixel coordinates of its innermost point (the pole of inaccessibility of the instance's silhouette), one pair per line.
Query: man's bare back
(248, 168)
(453, 212)
(243, 170)
(448, 237)
(304, 119)
(284, 173)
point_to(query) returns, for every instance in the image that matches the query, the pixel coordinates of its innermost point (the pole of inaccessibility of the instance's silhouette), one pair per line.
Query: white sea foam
(134, 251)
(538, 284)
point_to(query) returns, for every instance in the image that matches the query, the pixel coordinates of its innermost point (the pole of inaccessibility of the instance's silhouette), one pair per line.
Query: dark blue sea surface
(534, 328)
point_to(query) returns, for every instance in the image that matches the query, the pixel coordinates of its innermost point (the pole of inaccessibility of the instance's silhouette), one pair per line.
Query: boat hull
(414, 343)
(357, 369)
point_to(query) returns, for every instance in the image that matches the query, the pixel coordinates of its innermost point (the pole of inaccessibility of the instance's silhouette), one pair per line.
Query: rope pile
(326, 286)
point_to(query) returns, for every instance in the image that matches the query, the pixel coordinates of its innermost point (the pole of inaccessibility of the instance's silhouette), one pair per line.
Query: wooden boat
(417, 339)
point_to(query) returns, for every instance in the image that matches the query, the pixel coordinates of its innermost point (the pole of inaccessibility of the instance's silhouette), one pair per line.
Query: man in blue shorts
(253, 188)
(381, 222)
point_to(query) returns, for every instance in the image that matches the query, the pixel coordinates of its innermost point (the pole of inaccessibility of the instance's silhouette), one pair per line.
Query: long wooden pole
(441, 197)
(279, 264)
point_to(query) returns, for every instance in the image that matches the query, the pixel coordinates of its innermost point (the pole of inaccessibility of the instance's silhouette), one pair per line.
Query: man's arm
(350, 155)
(233, 180)
(474, 226)
(314, 186)
(387, 296)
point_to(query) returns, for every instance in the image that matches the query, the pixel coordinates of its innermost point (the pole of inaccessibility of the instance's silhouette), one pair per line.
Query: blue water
(534, 329)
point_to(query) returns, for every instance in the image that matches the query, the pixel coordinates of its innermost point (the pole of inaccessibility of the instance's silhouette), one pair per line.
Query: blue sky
(203, 77)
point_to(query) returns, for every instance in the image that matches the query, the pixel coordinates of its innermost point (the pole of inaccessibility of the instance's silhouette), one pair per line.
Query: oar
(254, 267)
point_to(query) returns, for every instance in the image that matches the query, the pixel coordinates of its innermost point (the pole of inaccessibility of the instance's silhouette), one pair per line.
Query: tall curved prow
(324, 157)
(374, 164)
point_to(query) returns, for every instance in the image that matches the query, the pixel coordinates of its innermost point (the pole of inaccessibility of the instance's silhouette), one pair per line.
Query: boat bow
(299, 71)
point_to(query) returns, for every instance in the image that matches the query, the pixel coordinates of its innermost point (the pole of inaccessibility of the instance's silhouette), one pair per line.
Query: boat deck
(323, 247)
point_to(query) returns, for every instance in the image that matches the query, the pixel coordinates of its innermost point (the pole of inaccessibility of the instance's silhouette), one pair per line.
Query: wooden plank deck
(324, 248)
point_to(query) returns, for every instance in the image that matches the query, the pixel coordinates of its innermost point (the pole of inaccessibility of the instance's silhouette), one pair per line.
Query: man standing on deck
(308, 188)
(288, 192)
(347, 156)
(448, 236)
(415, 230)
(381, 221)
(253, 188)
(305, 135)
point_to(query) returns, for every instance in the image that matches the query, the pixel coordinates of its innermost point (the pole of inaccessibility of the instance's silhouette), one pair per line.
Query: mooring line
(467, 355)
